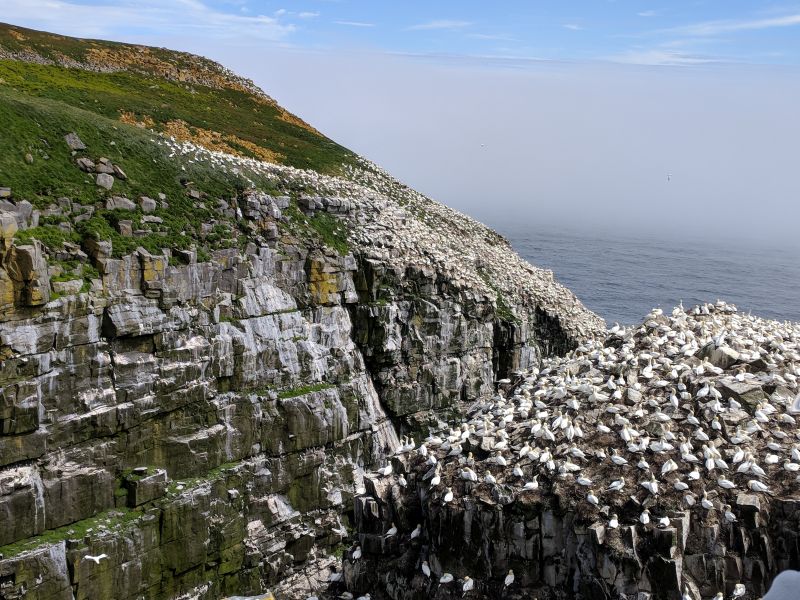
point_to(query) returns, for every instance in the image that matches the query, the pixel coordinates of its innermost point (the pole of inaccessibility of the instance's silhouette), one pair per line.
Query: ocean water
(623, 278)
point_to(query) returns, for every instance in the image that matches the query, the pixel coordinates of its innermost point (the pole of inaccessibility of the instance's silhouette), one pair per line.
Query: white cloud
(440, 24)
(308, 15)
(355, 23)
(572, 26)
(157, 17)
(717, 27)
(493, 37)
(661, 57)
(648, 13)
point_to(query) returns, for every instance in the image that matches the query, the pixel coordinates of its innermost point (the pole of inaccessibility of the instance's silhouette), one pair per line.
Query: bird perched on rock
(426, 569)
(468, 585)
(509, 578)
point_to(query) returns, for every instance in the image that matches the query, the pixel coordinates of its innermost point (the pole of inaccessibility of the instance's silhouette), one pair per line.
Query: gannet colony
(660, 460)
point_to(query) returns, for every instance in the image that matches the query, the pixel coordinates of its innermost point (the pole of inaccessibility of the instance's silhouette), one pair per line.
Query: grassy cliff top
(183, 95)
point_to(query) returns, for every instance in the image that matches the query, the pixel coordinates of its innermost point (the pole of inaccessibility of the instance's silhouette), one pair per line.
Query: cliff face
(202, 358)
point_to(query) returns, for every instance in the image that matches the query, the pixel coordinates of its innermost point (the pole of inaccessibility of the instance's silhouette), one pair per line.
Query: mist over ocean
(622, 277)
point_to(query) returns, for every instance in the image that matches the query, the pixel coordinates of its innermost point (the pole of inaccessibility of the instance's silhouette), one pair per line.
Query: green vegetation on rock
(112, 519)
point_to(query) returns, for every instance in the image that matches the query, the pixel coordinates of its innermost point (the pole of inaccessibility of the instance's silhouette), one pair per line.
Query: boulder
(68, 288)
(147, 205)
(5, 192)
(119, 173)
(104, 180)
(120, 202)
(27, 268)
(86, 164)
(74, 142)
(125, 228)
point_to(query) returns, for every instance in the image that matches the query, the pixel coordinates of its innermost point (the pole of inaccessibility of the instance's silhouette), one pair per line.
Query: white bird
(757, 486)
(95, 559)
(357, 552)
(509, 578)
(617, 485)
(445, 578)
(739, 590)
(468, 586)
(448, 496)
(417, 531)
(617, 459)
(592, 499)
(426, 569)
(663, 522)
(613, 522)
(386, 471)
(392, 531)
(669, 467)
(644, 518)
(726, 483)
(651, 486)
(729, 516)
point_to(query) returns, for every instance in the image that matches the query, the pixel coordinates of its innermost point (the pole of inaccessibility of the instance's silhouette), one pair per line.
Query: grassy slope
(39, 104)
(160, 88)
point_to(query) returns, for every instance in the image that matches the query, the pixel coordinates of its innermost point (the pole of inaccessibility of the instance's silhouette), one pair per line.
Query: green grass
(233, 113)
(301, 391)
(111, 519)
(38, 125)
(322, 227)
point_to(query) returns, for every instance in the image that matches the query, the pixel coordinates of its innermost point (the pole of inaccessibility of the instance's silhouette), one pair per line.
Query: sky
(662, 118)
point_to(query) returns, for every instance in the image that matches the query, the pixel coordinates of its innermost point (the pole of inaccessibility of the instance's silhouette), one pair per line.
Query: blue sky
(677, 33)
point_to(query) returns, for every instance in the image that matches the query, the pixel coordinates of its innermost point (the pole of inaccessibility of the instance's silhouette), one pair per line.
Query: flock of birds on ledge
(650, 412)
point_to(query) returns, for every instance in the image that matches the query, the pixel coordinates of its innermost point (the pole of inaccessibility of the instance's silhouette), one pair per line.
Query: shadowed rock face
(523, 481)
(555, 552)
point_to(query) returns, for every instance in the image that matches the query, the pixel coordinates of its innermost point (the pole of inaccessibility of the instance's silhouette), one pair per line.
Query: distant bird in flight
(669, 176)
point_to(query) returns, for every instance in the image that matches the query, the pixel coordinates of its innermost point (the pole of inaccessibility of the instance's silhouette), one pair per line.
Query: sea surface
(623, 278)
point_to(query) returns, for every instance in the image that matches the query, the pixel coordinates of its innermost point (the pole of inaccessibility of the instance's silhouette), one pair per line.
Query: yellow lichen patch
(184, 68)
(213, 140)
(324, 286)
(256, 150)
(129, 118)
(290, 118)
(17, 35)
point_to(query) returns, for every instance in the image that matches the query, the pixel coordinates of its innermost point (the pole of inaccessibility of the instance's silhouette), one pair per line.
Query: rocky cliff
(205, 347)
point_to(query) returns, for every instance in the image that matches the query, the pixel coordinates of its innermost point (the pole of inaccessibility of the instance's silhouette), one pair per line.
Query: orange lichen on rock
(213, 140)
(129, 118)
